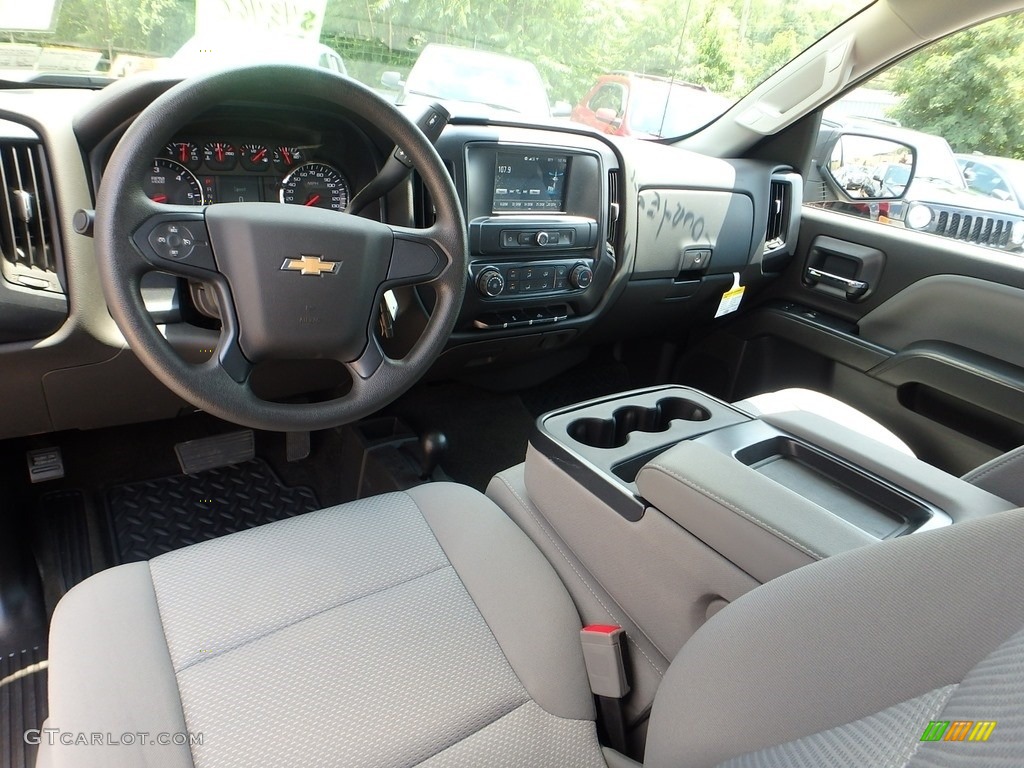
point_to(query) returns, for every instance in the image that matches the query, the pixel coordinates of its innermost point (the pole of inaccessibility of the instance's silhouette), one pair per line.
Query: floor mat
(151, 517)
(22, 705)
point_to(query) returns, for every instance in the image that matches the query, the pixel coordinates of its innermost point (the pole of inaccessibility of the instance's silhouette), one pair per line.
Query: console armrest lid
(761, 526)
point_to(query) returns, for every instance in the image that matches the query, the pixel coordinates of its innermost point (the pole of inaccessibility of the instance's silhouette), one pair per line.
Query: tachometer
(315, 184)
(168, 181)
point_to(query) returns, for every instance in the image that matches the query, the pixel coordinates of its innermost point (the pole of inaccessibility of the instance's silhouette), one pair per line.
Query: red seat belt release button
(602, 654)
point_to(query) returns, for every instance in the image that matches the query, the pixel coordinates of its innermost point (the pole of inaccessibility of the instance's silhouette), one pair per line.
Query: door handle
(854, 289)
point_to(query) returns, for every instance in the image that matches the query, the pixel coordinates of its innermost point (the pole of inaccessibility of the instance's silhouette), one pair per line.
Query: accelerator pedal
(195, 456)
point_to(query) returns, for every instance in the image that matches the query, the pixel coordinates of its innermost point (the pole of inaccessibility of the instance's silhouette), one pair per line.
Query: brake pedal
(196, 456)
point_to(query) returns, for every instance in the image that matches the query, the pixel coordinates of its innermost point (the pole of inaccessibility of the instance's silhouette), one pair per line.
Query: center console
(537, 239)
(660, 506)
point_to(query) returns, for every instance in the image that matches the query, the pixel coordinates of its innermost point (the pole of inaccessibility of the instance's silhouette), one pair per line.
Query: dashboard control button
(543, 238)
(512, 286)
(581, 276)
(561, 270)
(512, 274)
(490, 282)
(561, 284)
(509, 238)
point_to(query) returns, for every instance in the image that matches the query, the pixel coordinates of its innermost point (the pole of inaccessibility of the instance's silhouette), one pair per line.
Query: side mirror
(606, 115)
(561, 108)
(870, 168)
(392, 81)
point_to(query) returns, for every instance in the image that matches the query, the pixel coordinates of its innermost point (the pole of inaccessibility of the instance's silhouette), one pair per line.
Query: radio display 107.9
(527, 181)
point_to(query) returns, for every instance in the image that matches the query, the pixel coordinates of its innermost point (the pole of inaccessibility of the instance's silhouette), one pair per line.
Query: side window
(947, 105)
(607, 97)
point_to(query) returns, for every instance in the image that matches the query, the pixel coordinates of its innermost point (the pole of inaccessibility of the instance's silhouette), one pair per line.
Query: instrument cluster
(208, 170)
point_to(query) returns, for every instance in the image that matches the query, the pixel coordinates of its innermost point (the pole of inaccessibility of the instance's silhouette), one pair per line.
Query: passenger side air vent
(778, 215)
(29, 242)
(613, 206)
(783, 220)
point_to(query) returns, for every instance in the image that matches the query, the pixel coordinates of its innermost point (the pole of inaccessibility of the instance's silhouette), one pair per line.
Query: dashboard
(574, 238)
(203, 170)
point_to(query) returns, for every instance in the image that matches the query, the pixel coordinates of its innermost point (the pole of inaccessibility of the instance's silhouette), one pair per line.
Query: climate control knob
(490, 282)
(581, 276)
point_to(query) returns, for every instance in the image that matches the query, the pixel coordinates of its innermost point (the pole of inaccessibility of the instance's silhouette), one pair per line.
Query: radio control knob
(542, 238)
(490, 282)
(581, 276)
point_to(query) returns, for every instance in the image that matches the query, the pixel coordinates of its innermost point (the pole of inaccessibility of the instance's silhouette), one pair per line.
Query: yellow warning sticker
(731, 299)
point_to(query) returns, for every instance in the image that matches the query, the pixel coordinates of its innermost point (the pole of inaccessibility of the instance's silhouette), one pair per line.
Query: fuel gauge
(255, 157)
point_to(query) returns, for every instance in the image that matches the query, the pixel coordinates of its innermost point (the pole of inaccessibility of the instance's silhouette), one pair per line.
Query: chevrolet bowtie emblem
(311, 265)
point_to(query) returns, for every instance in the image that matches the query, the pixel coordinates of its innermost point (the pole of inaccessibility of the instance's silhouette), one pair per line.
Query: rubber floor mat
(152, 517)
(22, 705)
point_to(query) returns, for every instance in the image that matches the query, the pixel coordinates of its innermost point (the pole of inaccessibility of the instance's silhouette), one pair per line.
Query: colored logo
(311, 265)
(958, 730)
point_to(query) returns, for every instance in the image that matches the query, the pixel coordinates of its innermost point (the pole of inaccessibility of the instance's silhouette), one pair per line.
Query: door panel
(933, 348)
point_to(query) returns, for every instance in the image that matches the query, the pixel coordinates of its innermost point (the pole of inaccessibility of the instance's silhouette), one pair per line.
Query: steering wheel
(292, 282)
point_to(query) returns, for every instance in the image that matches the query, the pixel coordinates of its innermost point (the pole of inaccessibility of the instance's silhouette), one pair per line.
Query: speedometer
(168, 181)
(316, 185)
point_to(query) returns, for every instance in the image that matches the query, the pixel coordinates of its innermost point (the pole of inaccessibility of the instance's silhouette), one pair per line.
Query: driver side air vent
(29, 244)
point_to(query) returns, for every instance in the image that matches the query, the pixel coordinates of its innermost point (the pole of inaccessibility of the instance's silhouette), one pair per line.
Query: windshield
(553, 54)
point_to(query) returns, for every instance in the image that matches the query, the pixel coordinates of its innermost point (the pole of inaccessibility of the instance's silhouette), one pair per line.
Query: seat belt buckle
(603, 656)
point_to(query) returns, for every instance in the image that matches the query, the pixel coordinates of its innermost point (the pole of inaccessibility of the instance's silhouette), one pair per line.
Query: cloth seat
(410, 628)
(424, 628)
(797, 399)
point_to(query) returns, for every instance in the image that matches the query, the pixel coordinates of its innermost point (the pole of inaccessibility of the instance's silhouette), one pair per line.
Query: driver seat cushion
(410, 628)
(797, 399)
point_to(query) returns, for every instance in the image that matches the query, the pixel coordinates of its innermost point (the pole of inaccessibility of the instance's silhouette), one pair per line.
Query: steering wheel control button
(172, 241)
(182, 242)
(581, 276)
(490, 282)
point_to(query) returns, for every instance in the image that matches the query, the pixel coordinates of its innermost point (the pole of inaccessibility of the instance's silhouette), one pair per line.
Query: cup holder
(614, 432)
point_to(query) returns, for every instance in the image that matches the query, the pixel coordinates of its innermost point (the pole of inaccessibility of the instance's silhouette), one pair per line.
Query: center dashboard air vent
(783, 220)
(29, 243)
(424, 213)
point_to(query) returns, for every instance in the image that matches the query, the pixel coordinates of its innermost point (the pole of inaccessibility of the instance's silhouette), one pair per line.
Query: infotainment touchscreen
(528, 181)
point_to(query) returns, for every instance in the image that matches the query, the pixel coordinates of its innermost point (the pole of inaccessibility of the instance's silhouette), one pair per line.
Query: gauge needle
(159, 198)
(183, 152)
(312, 200)
(259, 155)
(220, 153)
(287, 156)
